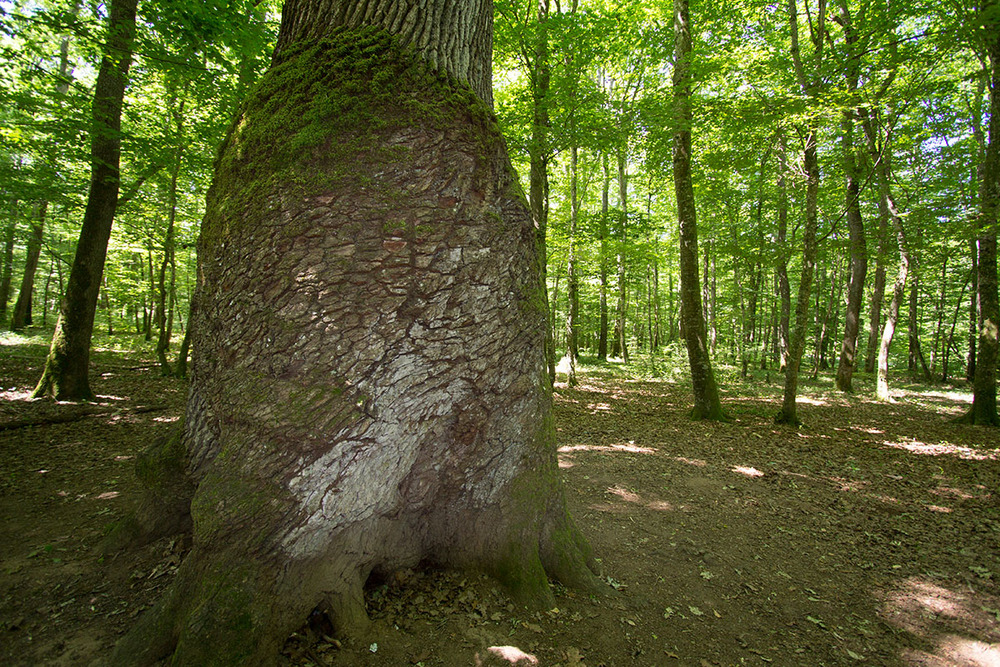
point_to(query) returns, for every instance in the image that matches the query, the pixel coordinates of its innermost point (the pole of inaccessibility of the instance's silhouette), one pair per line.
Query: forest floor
(871, 536)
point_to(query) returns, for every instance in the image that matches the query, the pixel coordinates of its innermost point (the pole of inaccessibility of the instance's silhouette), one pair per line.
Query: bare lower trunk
(781, 258)
(23, 307)
(8, 261)
(898, 291)
(707, 404)
(369, 385)
(984, 386)
(68, 364)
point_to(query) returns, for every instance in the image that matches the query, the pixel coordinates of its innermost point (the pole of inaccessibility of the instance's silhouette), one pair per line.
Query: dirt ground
(869, 537)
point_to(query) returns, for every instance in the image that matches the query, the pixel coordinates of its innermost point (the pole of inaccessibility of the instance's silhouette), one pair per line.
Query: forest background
(896, 107)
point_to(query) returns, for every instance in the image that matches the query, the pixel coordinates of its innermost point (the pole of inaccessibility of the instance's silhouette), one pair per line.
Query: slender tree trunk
(572, 281)
(939, 326)
(706, 393)
(538, 187)
(602, 341)
(162, 323)
(788, 413)
(984, 386)
(859, 260)
(878, 285)
(951, 334)
(8, 260)
(916, 363)
(23, 306)
(620, 348)
(898, 291)
(67, 366)
(393, 409)
(781, 256)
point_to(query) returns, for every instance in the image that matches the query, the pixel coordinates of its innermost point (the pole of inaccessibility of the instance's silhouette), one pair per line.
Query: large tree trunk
(984, 386)
(21, 317)
(369, 385)
(706, 392)
(67, 366)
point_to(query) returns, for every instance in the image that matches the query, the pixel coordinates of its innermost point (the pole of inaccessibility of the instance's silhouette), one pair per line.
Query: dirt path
(871, 537)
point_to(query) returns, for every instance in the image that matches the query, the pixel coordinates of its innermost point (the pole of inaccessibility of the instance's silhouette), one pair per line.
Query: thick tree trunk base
(980, 415)
(369, 385)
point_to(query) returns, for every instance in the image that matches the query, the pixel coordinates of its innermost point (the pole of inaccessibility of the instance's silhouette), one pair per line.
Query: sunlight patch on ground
(511, 654)
(635, 499)
(631, 448)
(939, 508)
(14, 395)
(598, 407)
(108, 495)
(692, 462)
(749, 471)
(957, 396)
(933, 613)
(945, 449)
(812, 401)
(166, 420)
(625, 494)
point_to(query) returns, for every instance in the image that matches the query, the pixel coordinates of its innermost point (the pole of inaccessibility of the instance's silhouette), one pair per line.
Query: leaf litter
(872, 535)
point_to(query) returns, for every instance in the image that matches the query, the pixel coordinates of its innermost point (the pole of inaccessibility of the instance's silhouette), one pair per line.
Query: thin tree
(706, 392)
(66, 373)
(855, 223)
(369, 387)
(810, 88)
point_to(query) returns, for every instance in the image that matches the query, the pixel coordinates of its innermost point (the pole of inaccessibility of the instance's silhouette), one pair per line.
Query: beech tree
(706, 392)
(66, 374)
(984, 386)
(368, 386)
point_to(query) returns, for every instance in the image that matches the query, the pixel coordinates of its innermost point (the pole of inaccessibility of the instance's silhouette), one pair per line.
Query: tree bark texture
(369, 385)
(984, 385)
(66, 369)
(707, 404)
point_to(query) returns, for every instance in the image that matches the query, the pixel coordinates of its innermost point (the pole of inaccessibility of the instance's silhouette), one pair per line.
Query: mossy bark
(368, 385)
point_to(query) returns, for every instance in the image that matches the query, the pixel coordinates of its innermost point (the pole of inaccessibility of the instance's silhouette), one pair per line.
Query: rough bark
(984, 385)
(706, 392)
(21, 316)
(67, 366)
(369, 387)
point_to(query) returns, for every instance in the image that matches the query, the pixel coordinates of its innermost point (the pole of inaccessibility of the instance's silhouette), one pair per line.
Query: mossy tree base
(368, 390)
